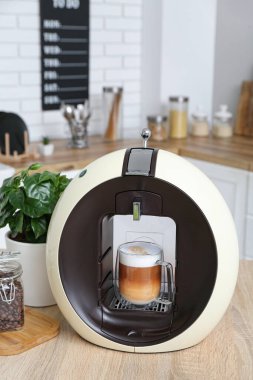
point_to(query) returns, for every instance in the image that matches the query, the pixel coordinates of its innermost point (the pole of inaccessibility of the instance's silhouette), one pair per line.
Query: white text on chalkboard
(68, 4)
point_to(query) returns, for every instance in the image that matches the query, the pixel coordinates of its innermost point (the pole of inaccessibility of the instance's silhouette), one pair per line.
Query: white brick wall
(115, 59)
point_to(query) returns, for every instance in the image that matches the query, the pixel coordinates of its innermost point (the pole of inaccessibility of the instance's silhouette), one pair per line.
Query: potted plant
(27, 201)
(46, 148)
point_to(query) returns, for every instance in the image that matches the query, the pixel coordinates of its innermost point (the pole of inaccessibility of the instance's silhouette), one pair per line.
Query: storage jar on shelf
(112, 112)
(158, 126)
(199, 125)
(222, 123)
(178, 116)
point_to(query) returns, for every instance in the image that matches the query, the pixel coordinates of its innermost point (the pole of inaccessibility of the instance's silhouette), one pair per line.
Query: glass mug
(138, 274)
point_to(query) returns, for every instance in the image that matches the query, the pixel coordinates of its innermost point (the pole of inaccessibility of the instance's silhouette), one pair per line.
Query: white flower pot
(37, 291)
(46, 150)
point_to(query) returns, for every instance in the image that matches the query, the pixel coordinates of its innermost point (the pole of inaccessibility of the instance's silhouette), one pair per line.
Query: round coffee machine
(152, 196)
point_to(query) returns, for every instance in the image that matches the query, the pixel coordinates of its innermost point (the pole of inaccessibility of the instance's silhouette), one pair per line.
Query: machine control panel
(140, 161)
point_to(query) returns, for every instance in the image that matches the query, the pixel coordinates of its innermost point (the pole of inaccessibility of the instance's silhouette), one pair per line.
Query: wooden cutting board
(244, 116)
(38, 328)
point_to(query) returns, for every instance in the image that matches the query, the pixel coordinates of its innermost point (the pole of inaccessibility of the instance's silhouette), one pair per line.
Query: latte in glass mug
(139, 273)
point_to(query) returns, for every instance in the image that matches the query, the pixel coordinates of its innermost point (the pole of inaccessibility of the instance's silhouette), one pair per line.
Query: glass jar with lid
(158, 126)
(178, 116)
(112, 112)
(11, 293)
(222, 123)
(200, 125)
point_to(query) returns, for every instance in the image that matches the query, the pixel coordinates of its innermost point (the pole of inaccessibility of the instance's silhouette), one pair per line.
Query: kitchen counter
(236, 152)
(227, 353)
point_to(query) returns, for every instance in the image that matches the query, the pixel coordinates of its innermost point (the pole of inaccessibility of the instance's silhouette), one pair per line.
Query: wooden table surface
(236, 151)
(227, 353)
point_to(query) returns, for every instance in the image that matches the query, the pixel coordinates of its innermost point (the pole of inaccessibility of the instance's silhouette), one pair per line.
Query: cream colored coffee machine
(156, 196)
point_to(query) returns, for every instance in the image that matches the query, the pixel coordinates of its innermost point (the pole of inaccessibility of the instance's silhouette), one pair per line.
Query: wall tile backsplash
(115, 59)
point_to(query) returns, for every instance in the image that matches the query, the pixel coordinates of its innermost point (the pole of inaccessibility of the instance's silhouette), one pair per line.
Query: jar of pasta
(112, 110)
(178, 116)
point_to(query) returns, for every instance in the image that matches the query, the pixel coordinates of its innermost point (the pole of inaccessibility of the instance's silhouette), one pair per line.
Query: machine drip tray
(135, 325)
(153, 306)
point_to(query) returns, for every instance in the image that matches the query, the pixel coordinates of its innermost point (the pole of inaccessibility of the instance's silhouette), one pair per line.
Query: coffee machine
(142, 194)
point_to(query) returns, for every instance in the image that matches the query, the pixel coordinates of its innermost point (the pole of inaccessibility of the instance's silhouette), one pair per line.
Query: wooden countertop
(226, 354)
(236, 151)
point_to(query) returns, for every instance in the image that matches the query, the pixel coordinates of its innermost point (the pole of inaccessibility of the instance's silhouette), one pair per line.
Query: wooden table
(227, 353)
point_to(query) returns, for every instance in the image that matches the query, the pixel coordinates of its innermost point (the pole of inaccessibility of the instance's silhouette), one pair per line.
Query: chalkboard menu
(64, 52)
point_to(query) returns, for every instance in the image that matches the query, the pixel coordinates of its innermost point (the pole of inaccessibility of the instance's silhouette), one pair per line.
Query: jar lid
(223, 113)
(8, 255)
(114, 90)
(157, 118)
(199, 113)
(10, 269)
(179, 99)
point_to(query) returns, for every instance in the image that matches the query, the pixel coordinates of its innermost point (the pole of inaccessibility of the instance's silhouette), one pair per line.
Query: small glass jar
(200, 125)
(11, 295)
(112, 112)
(222, 123)
(158, 126)
(178, 116)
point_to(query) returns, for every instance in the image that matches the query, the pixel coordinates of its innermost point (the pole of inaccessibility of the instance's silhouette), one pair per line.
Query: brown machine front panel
(86, 260)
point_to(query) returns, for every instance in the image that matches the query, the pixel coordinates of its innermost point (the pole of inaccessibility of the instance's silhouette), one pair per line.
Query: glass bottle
(112, 109)
(159, 127)
(222, 123)
(200, 125)
(178, 116)
(11, 293)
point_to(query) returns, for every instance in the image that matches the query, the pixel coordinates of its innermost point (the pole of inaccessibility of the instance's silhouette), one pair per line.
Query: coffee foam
(139, 254)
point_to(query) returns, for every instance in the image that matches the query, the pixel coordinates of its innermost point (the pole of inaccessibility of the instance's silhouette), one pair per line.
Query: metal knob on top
(145, 134)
